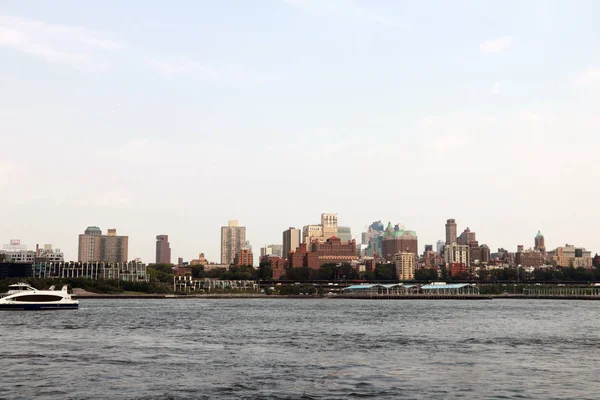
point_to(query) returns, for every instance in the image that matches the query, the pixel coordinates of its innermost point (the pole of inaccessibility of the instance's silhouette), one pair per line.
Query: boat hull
(37, 307)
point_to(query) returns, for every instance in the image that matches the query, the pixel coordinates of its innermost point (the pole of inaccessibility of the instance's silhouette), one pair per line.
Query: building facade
(540, 243)
(233, 239)
(332, 251)
(405, 266)
(328, 228)
(571, 256)
(344, 233)
(457, 254)
(467, 237)
(163, 249)
(96, 247)
(291, 240)
(450, 232)
(243, 257)
(396, 240)
(529, 258)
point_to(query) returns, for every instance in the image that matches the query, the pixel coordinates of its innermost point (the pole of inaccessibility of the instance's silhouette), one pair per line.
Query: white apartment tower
(233, 239)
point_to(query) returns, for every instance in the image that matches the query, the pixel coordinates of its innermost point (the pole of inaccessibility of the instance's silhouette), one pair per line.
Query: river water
(296, 348)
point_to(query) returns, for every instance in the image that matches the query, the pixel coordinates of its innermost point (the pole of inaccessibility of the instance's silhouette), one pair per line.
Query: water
(295, 348)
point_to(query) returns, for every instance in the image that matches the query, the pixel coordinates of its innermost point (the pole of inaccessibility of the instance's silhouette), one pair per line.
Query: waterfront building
(291, 240)
(439, 246)
(405, 266)
(344, 233)
(233, 239)
(133, 271)
(201, 260)
(190, 285)
(18, 253)
(277, 264)
(243, 257)
(163, 249)
(450, 231)
(529, 258)
(328, 228)
(96, 247)
(571, 256)
(15, 270)
(466, 237)
(332, 251)
(396, 240)
(540, 243)
(272, 249)
(456, 253)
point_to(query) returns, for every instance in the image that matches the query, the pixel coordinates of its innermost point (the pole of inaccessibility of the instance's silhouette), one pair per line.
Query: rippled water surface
(296, 348)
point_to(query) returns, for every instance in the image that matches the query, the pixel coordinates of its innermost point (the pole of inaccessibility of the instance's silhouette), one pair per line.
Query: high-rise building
(450, 231)
(291, 240)
(571, 256)
(163, 249)
(344, 233)
(439, 247)
(540, 243)
(94, 246)
(327, 229)
(405, 265)
(456, 254)
(233, 239)
(271, 250)
(243, 257)
(467, 237)
(396, 240)
(87, 244)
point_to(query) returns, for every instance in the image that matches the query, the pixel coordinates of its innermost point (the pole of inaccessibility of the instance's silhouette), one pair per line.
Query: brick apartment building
(332, 251)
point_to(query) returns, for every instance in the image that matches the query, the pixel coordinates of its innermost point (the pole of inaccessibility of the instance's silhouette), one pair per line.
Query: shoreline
(118, 296)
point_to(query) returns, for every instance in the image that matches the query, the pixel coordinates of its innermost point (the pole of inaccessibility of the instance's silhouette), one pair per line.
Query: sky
(156, 119)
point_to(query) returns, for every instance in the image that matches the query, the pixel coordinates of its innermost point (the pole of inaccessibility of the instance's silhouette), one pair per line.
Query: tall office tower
(291, 240)
(540, 243)
(439, 246)
(467, 237)
(94, 246)
(405, 266)
(450, 231)
(344, 233)
(233, 239)
(113, 248)
(87, 244)
(163, 249)
(330, 225)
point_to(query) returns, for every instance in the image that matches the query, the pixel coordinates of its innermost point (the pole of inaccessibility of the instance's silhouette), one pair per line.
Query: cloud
(496, 88)
(58, 44)
(230, 75)
(587, 77)
(496, 45)
(349, 9)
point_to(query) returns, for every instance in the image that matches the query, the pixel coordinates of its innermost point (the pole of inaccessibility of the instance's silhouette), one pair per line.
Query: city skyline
(235, 224)
(125, 115)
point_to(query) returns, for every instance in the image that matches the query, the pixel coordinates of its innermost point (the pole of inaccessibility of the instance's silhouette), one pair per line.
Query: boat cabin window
(38, 298)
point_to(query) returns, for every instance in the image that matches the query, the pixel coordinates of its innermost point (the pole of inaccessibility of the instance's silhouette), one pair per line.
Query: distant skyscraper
(450, 231)
(540, 243)
(439, 246)
(467, 237)
(93, 246)
(344, 233)
(163, 249)
(233, 239)
(291, 240)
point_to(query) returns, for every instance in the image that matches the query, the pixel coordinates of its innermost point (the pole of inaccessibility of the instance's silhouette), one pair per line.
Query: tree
(426, 274)
(265, 272)
(384, 272)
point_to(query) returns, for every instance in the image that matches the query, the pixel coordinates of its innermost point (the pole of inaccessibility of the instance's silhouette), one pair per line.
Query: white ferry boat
(22, 296)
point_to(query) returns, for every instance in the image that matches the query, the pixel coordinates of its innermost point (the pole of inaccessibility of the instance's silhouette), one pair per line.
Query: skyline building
(291, 240)
(96, 247)
(571, 256)
(405, 265)
(456, 254)
(467, 237)
(540, 243)
(396, 240)
(344, 233)
(327, 229)
(163, 249)
(233, 239)
(450, 231)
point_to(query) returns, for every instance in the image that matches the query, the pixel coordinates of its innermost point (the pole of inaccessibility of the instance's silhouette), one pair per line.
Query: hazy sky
(172, 118)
